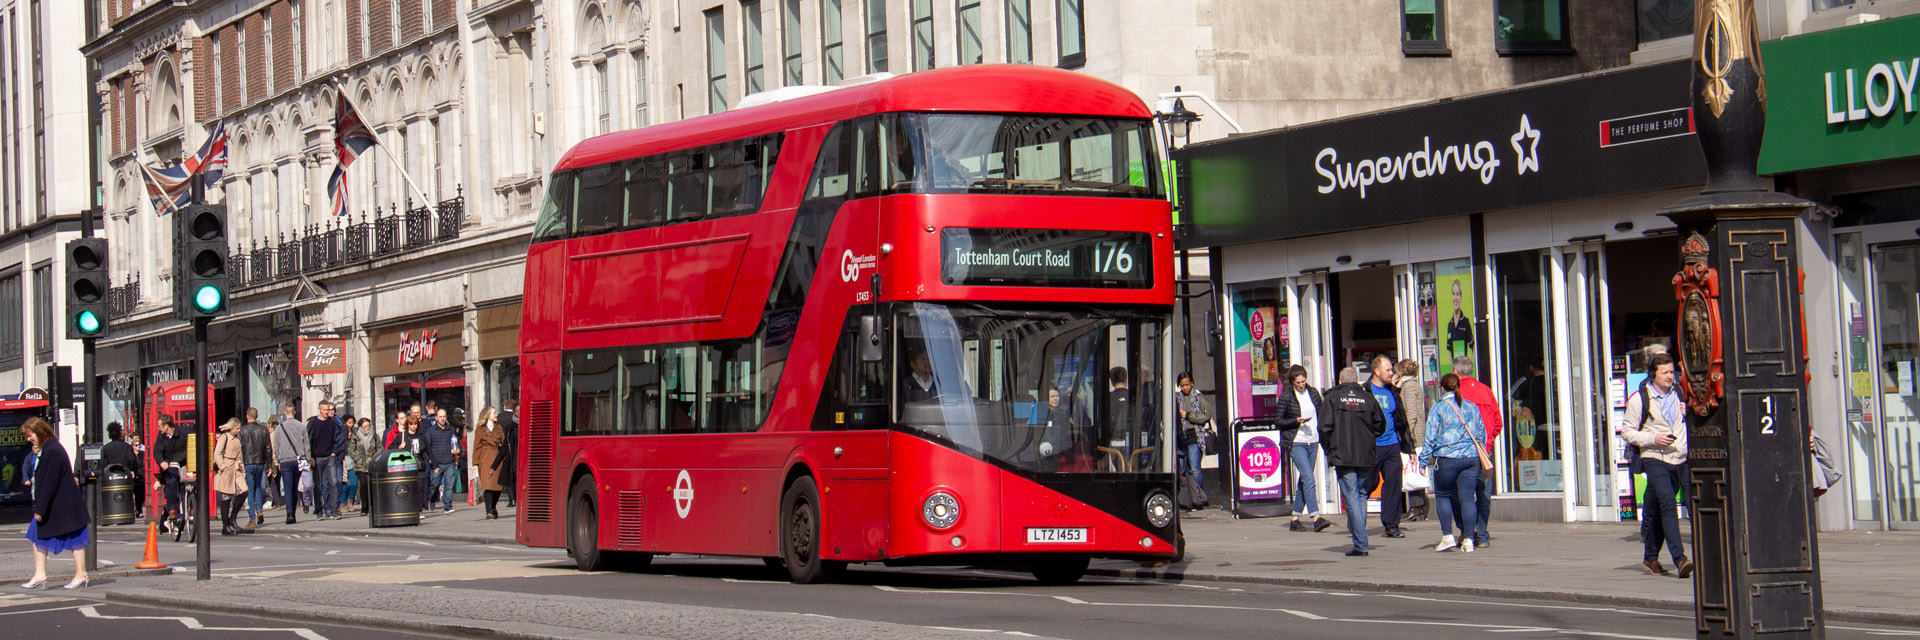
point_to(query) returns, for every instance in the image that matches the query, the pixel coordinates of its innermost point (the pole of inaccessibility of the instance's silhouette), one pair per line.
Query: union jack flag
(351, 137)
(172, 188)
(337, 190)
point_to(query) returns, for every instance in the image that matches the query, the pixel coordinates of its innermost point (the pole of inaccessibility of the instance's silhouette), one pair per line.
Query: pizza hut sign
(323, 355)
(414, 349)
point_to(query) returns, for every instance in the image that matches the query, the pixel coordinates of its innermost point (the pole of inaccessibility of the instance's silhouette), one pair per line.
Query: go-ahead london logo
(851, 265)
(1482, 157)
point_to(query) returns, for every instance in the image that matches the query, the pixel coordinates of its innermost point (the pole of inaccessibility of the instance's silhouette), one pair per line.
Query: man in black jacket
(1348, 433)
(323, 436)
(1396, 438)
(169, 452)
(256, 452)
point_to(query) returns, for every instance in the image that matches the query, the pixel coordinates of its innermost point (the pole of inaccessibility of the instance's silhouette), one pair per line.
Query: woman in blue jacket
(1452, 455)
(59, 513)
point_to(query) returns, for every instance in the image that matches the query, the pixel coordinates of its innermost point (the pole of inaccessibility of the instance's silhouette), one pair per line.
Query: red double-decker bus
(922, 320)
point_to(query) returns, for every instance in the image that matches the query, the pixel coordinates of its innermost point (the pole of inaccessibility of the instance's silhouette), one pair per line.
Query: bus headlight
(1159, 509)
(941, 510)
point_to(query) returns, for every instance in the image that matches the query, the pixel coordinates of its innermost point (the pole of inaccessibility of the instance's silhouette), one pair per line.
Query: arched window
(166, 103)
(637, 19)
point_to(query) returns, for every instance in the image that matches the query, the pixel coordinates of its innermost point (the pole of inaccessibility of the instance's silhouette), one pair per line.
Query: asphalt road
(53, 616)
(972, 599)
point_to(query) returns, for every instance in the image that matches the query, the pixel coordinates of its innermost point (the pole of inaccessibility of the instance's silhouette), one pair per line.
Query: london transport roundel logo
(683, 494)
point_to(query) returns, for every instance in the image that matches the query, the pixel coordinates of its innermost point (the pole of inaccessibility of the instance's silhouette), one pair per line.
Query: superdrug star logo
(1528, 156)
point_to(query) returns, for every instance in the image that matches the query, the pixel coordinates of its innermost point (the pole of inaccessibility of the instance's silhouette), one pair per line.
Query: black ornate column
(1741, 357)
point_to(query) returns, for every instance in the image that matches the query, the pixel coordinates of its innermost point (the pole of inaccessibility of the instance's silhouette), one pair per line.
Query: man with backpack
(1656, 426)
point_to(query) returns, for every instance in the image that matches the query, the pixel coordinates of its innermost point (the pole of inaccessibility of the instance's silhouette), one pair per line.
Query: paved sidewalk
(1867, 576)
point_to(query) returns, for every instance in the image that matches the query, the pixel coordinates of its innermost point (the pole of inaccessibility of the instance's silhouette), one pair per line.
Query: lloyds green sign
(1842, 96)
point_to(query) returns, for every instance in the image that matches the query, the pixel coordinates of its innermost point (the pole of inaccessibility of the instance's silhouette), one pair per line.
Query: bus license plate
(1056, 535)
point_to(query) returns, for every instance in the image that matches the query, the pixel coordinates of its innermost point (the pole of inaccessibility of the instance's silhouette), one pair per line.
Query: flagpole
(402, 166)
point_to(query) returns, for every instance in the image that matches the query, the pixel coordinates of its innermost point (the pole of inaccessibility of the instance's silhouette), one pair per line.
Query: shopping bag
(1412, 477)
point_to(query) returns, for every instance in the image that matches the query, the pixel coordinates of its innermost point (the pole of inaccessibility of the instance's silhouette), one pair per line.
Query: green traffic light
(208, 298)
(88, 322)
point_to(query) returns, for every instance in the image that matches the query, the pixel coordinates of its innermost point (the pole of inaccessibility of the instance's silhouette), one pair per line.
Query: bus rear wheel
(1058, 571)
(800, 534)
(583, 529)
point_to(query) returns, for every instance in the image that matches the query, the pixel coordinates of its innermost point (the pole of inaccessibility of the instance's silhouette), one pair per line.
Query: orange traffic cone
(152, 558)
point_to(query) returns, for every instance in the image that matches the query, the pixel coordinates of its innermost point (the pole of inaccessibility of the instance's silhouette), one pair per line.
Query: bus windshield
(968, 153)
(1044, 391)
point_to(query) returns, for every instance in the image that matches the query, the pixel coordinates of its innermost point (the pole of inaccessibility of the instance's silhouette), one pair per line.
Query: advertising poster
(1453, 281)
(1266, 350)
(1259, 454)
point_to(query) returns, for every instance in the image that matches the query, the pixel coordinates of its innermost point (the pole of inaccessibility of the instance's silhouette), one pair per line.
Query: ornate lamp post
(1741, 357)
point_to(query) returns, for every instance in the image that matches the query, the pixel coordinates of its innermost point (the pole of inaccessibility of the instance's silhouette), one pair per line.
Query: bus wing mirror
(1213, 335)
(870, 350)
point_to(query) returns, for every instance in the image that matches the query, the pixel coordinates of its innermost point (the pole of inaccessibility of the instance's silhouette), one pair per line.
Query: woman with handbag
(229, 477)
(1196, 426)
(1453, 453)
(1298, 416)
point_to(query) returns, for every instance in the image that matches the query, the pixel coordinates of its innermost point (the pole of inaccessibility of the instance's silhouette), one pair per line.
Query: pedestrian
(1298, 414)
(489, 455)
(512, 452)
(1393, 441)
(441, 440)
(327, 444)
(256, 452)
(364, 447)
(1655, 421)
(1196, 424)
(229, 477)
(273, 498)
(60, 521)
(1451, 454)
(118, 453)
(1413, 390)
(291, 450)
(169, 452)
(1477, 392)
(1348, 432)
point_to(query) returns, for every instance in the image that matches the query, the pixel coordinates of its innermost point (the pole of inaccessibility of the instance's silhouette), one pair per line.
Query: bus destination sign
(1046, 258)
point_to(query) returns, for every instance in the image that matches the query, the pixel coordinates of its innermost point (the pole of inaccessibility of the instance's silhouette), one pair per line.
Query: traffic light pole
(90, 427)
(203, 452)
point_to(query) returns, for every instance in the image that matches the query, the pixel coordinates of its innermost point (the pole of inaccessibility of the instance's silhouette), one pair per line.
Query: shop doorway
(1363, 319)
(1880, 296)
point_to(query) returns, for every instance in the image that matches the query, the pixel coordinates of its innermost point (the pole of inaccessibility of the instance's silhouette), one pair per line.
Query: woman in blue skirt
(59, 513)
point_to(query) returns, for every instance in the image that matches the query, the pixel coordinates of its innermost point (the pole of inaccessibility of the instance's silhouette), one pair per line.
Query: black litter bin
(117, 494)
(394, 498)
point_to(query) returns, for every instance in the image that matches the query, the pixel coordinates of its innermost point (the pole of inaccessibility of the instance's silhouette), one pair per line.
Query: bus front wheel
(1058, 571)
(583, 529)
(800, 534)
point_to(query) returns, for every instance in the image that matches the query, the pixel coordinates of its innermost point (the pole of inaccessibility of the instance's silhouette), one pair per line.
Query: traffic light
(87, 288)
(200, 262)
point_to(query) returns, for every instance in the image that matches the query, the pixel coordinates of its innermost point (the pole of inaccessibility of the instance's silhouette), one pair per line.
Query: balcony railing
(346, 241)
(124, 297)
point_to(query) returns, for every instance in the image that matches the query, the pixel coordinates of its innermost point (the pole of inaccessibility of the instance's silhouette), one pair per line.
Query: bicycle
(189, 506)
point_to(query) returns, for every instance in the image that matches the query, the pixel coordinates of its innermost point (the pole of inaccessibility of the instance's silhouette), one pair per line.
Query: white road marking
(195, 624)
(15, 613)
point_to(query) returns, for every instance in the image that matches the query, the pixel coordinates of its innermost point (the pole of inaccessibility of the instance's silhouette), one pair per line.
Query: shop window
(1656, 20)
(11, 318)
(1423, 28)
(1262, 346)
(1823, 5)
(1531, 436)
(1531, 26)
(1070, 20)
